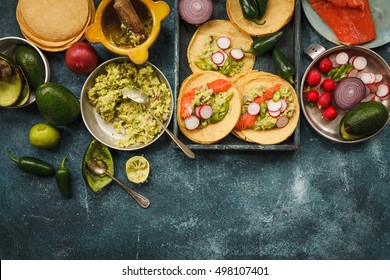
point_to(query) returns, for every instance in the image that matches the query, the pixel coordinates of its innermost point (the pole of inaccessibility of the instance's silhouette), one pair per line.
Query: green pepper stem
(11, 157)
(290, 79)
(259, 22)
(247, 51)
(63, 163)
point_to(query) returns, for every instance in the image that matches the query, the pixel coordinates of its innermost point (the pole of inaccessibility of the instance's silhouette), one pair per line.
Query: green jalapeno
(250, 11)
(261, 7)
(276, 96)
(63, 179)
(33, 165)
(264, 44)
(227, 66)
(263, 109)
(203, 65)
(220, 113)
(283, 66)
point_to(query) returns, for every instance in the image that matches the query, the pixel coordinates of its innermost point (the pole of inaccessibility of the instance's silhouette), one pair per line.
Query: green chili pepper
(203, 65)
(263, 109)
(250, 11)
(283, 66)
(264, 44)
(340, 72)
(63, 179)
(227, 66)
(261, 7)
(220, 113)
(33, 165)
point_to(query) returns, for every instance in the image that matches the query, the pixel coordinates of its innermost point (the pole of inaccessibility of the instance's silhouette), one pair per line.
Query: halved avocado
(11, 83)
(25, 93)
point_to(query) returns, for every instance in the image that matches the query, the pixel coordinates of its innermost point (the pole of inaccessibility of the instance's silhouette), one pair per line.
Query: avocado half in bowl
(117, 121)
(352, 123)
(29, 68)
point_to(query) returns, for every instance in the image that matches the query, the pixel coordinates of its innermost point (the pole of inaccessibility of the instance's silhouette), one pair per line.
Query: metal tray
(290, 47)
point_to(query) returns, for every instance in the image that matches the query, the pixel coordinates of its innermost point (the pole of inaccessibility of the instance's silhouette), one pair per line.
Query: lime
(44, 136)
(137, 169)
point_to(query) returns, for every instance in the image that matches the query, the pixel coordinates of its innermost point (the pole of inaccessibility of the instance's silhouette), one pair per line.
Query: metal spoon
(140, 97)
(99, 167)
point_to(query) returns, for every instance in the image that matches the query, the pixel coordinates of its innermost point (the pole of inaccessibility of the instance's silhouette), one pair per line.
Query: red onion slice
(349, 92)
(195, 11)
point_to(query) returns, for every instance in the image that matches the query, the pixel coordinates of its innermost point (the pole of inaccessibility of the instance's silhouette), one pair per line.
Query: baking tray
(290, 47)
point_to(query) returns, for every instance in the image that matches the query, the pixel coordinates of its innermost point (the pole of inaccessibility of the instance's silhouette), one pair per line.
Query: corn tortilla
(275, 135)
(212, 132)
(277, 15)
(239, 39)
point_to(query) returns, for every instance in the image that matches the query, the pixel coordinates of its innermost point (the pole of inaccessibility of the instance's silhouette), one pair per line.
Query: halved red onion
(349, 92)
(195, 11)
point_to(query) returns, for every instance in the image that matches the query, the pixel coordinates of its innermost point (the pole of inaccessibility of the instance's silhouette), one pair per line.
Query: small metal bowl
(330, 129)
(102, 131)
(6, 46)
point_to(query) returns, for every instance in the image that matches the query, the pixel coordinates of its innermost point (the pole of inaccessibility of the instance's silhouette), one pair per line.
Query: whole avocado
(57, 104)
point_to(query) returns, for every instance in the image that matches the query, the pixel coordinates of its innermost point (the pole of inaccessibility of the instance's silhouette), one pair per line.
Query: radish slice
(351, 59)
(369, 97)
(223, 42)
(282, 121)
(360, 62)
(274, 106)
(217, 57)
(376, 98)
(368, 91)
(284, 105)
(383, 91)
(274, 114)
(197, 111)
(206, 112)
(191, 122)
(237, 54)
(373, 88)
(253, 108)
(367, 78)
(332, 58)
(225, 56)
(378, 78)
(342, 58)
(353, 73)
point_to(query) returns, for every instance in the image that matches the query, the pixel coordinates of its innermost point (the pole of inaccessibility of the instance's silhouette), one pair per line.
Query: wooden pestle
(128, 16)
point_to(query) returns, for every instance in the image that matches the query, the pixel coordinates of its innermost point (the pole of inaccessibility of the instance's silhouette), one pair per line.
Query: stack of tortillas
(54, 25)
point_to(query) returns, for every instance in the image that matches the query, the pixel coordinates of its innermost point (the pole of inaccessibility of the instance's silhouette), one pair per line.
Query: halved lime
(44, 136)
(137, 169)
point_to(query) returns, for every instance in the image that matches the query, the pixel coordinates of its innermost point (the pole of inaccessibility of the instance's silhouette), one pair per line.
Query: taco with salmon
(269, 108)
(277, 14)
(217, 46)
(208, 107)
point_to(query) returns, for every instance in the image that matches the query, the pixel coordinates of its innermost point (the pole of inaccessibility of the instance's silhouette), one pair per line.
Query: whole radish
(328, 85)
(330, 113)
(325, 65)
(312, 96)
(324, 100)
(313, 78)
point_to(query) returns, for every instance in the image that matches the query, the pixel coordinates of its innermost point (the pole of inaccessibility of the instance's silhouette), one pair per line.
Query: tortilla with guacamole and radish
(269, 108)
(208, 107)
(217, 46)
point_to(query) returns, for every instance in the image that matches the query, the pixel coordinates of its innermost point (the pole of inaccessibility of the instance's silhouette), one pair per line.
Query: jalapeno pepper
(33, 165)
(63, 179)
(264, 44)
(283, 66)
(203, 65)
(227, 66)
(220, 113)
(250, 11)
(261, 7)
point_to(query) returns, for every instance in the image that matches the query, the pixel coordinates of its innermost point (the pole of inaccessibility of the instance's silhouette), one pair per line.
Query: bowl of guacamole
(117, 121)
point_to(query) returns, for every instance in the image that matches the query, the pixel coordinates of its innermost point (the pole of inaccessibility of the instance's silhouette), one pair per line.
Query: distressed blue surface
(324, 201)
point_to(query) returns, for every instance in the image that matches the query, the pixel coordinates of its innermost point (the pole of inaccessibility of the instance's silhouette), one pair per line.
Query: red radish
(351, 59)
(282, 121)
(360, 62)
(372, 87)
(237, 54)
(313, 78)
(330, 113)
(217, 57)
(376, 98)
(274, 114)
(205, 111)
(367, 78)
(191, 122)
(223, 42)
(225, 56)
(324, 100)
(378, 78)
(312, 95)
(342, 58)
(253, 108)
(332, 58)
(197, 111)
(383, 91)
(328, 85)
(368, 90)
(284, 105)
(81, 58)
(274, 106)
(353, 73)
(325, 65)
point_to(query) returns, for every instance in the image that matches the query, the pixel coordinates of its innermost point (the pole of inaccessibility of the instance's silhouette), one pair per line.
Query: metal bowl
(101, 130)
(330, 129)
(6, 46)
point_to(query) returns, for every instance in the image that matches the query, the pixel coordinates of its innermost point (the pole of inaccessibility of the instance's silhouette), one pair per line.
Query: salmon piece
(245, 121)
(219, 85)
(267, 94)
(350, 20)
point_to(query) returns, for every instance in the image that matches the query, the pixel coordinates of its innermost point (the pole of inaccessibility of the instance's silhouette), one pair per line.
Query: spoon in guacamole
(141, 98)
(99, 167)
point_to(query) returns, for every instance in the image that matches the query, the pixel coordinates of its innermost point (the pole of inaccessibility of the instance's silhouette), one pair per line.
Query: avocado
(57, 104)
(11, 82)
(364, 119)
(97, 150)
(32, 64)
(25, 93)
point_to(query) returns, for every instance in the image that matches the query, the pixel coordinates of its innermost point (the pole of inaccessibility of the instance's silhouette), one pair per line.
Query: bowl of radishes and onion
(336, 81)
